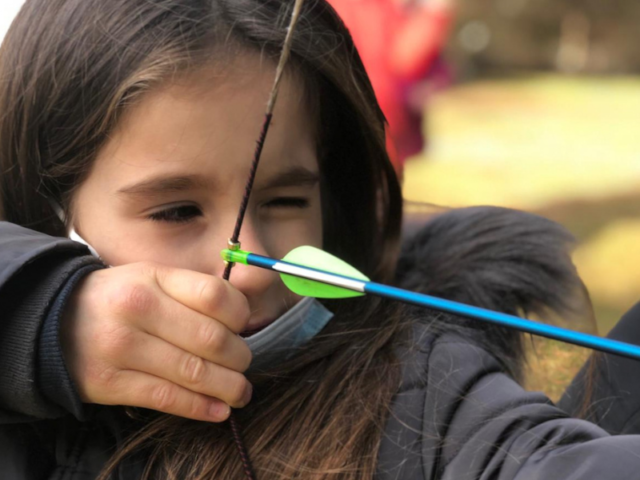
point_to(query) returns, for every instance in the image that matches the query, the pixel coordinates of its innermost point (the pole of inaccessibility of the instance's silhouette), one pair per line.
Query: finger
(200, 335)
(139, 389)
(161, 359)
(211, 296)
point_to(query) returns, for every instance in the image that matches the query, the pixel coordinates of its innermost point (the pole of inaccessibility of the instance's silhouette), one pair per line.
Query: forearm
(34, 269)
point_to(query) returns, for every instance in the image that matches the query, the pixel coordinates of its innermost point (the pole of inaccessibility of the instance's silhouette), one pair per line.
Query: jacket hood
(495, 258)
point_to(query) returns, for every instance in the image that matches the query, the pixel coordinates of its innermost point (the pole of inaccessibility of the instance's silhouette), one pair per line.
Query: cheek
(193, 246)
(283, 237)
(315, 228)
(312, 235)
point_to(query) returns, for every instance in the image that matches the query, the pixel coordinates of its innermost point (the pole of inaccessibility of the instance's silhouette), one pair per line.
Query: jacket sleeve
(480, 424)
(609, 384)
(34, 271)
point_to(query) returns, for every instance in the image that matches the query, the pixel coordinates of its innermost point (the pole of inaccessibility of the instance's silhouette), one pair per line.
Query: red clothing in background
(399, 42)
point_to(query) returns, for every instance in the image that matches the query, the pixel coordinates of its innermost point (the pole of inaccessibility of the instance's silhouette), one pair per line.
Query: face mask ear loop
(77, 238)
(55, 206)
(70, 230)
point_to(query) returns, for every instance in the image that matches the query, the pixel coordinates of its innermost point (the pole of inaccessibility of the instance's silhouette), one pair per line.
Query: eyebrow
(164, 184)
(296, 176)
(293, 177)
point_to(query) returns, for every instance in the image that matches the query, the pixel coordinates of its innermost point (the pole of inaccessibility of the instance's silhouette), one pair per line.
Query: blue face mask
(293, 329)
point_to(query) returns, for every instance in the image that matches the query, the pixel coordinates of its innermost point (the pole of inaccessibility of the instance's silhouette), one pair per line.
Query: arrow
(311, 272)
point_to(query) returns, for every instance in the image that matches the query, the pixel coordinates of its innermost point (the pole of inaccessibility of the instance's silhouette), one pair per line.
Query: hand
(146, 335)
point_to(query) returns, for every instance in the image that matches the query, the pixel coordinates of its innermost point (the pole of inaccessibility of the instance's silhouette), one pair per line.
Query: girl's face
(167, 186)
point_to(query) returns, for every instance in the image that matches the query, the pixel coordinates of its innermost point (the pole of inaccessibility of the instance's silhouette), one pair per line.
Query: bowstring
(234, 241)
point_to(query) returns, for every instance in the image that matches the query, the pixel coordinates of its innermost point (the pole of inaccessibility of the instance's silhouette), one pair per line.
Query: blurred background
(8, 10)
(543, 114)
(530, 104)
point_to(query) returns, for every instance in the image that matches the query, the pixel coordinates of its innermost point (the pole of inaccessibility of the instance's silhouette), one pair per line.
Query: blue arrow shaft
(503, 319)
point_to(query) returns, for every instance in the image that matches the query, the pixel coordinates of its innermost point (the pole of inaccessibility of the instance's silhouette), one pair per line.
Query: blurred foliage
(551, 365)
(593, 36)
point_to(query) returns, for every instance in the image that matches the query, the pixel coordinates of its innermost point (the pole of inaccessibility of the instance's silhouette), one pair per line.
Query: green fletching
(234, 256)
(315, 258)
(319, 259)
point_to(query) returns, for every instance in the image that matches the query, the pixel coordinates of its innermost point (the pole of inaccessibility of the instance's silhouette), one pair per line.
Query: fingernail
(219, 411)
(247, 395)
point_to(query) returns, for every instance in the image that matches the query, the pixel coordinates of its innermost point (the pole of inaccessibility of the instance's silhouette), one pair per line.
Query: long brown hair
(70, 68)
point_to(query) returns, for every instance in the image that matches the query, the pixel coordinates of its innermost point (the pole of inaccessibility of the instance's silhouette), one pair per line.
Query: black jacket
(611, 384)
(457, 414)
(37, 273)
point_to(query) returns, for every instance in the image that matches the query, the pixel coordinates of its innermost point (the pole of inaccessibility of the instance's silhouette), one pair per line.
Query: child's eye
(287, 202)
(179, 214)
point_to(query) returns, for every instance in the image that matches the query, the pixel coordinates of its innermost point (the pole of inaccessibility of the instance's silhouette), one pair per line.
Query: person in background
(400, 42)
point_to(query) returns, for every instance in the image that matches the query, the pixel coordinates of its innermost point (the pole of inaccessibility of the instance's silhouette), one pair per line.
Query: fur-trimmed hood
(496, 258)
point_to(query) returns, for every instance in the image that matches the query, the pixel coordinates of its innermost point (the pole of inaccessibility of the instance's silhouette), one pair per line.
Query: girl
(136, 119)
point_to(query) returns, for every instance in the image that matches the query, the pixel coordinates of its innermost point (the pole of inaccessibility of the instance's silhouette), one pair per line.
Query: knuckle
(133, 299)
(109, 378)
(244, 310)
(98, 383)
(147, 268)
(247, 357)
(213, 337)
(117, 342)
(236, 389)
(164, 397)
(197, 407)
(193, 369)
(101, 375)
(210, 294)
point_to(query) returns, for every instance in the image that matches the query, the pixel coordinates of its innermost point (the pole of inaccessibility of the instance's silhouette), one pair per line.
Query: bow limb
(234, 241)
